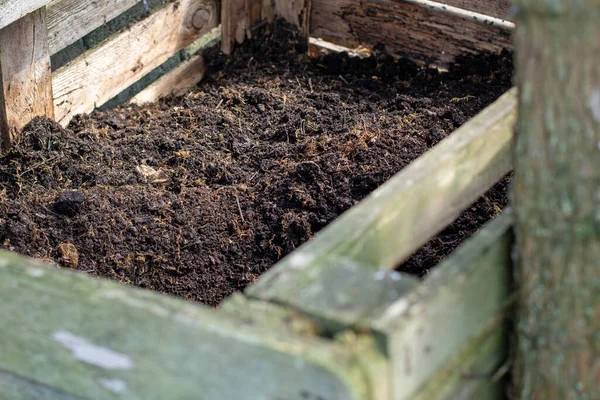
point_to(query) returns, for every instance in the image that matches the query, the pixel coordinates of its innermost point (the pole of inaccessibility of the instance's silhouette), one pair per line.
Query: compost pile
(197, 196)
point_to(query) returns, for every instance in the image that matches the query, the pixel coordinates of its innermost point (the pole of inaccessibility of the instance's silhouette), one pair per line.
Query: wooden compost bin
(331, 320)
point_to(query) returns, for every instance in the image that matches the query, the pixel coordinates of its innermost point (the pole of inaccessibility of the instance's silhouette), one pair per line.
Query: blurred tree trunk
(557, 200)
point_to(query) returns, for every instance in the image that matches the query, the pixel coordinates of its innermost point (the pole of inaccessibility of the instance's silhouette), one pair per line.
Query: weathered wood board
(466, 296)
(25, 75)
(101, 73)
(68, 335)
(413, 29)
(13, 10)
(70, 20)
(185, 76)
(404, 213)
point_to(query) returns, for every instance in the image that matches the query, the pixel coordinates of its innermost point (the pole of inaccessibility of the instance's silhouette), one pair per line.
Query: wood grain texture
(412, 29)
(464, 299)
(406, 211)
(101, 73)
(25, 75)
(70, 20)
(234, 23)
(70, 333)
(183, 77)
(13, 10)
(494, 8)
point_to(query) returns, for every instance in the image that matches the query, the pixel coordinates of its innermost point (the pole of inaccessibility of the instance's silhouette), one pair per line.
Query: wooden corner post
(557, 200)
(25, 74)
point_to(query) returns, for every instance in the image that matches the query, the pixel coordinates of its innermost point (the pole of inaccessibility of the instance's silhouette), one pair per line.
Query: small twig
(219, 105)
(343, 79)
(310, 84)
(239, 207)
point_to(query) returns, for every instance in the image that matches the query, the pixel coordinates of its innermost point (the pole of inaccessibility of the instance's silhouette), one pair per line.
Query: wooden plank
(405, 212)
(494, 8)
(467, 294)
(185, 76)
(25, 75)
(418, 29)
(13, 10)
(70, 20)
(96, 339)
(471, 374)
(101, 73)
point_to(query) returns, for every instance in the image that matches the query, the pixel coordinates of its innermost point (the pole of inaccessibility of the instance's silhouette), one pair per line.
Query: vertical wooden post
(557, 200)
(25, 75)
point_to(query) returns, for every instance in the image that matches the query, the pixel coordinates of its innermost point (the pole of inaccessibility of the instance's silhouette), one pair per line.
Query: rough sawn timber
(70, 20)
(13, 10)
(101, 73)
(25, 75)
(413, 29)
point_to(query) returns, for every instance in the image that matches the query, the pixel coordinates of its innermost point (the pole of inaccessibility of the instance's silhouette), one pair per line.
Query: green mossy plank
(470, 373)
(100, 340)
(397, 218)
(466, 293)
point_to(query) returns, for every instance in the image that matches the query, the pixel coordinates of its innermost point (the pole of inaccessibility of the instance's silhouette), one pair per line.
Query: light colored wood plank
(25, 75)
(185, 76)
(494, 8)
(70, 20)
(100, 340)
(465, 296)
(13, 10)
(101, 73)
(405, 212)
(418, 29)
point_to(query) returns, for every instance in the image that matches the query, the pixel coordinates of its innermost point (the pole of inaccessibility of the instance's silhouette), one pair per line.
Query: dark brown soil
(197, 196)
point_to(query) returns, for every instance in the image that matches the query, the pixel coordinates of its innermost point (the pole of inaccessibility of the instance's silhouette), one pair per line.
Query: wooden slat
(464, 296)
(25, 76)
(70, 20)
(470, 374)
(13, 10)
(493, 8)
(419, 29)
(68, 333)
(183, 77)
(405, 212)
(100, 74)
